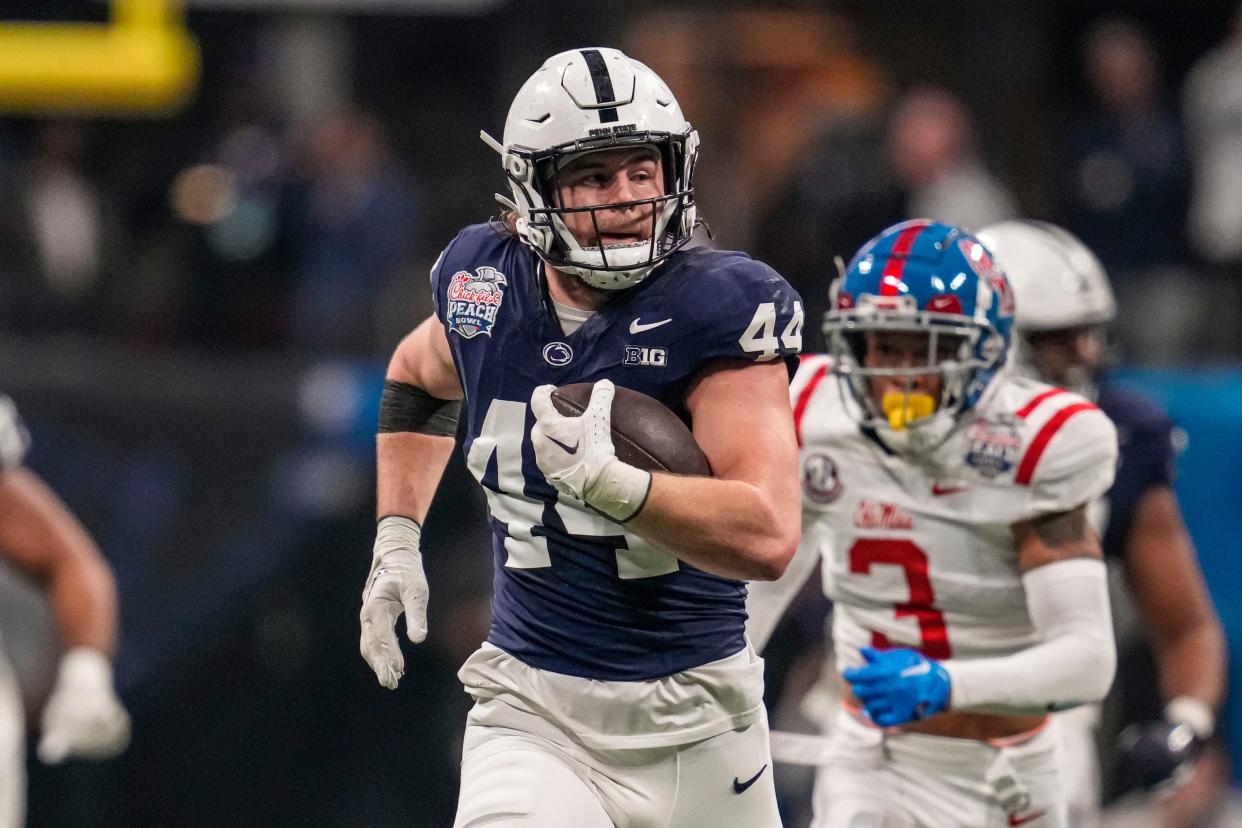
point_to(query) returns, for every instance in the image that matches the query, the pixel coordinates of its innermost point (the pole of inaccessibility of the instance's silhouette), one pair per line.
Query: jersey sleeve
(447, 264)
(1071, 460)
(1154, 452)
(14, 439)
(749, 312)
(437, 292)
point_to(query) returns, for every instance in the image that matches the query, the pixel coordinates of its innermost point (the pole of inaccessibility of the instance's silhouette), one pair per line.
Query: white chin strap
(919, 437)
(590, 273)
(634, 260)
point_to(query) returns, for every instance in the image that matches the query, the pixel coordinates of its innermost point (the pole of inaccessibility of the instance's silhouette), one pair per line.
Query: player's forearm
(1073, 664)
(409, 466)
(1191, 662)
(43, 537)
(83, 596)
(726, 527)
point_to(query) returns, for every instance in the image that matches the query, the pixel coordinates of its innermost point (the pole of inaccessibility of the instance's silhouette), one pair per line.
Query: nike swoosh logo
(637, 327)
(917, 670)
(1013, 820)
(940, 491)
(740, 787)
(573, 450)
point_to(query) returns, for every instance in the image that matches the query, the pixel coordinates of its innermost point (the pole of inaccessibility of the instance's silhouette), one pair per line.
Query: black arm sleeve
(406, 407)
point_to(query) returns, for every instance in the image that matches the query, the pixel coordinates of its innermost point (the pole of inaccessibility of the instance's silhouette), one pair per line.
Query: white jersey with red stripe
(920, 553)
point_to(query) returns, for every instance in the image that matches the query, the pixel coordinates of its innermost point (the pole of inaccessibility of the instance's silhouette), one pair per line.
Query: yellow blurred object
(144, 61)
(902, 408)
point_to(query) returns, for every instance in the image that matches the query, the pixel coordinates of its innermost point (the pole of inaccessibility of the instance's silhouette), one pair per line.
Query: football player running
(616, 686)
(947, 498)
(1065, 304)
(83, 718)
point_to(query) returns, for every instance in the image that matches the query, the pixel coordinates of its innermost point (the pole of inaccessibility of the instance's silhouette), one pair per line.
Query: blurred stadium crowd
(194, 310)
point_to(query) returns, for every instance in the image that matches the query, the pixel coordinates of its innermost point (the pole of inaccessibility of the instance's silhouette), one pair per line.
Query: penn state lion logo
(820, 479)
(474, 300)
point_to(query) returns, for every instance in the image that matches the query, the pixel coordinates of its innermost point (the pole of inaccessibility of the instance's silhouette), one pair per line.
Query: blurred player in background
(83, 716)
(948, 500)
(1065, 305)
(616, 685)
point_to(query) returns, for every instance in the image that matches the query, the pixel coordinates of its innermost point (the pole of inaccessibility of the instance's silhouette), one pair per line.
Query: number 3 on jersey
(503, 436)
(933, 634)
(760, 335)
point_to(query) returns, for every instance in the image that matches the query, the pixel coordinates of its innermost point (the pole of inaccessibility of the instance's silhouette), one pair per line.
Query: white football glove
(83, 717)
(396, 584)
(577, 457)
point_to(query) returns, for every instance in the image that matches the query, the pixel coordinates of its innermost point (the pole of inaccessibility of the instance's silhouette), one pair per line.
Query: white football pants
(878, 779)
(12, 750)
(519, 770)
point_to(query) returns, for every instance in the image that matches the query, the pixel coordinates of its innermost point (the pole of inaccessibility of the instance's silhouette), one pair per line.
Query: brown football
(645, 433)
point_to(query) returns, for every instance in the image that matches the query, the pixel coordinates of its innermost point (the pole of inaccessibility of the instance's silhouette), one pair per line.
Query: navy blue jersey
(1147, 458)
(574, 593)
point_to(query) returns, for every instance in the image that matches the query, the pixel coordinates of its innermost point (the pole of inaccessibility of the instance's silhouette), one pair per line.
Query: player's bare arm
(410, 463)
(418, 417)
(743, 522)
(44, 539)
(1173, 601)
(1056, 537)
(83, 716)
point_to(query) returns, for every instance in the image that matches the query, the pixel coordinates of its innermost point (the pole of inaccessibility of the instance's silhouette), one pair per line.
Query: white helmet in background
(581, 101)
(1057, 281)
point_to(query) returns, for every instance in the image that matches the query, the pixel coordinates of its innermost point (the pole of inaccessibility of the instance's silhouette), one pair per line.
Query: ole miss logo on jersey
(474, 300)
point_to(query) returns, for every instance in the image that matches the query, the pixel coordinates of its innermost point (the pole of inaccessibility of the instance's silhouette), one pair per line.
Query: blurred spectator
(63, 210)
(1128, 177)
(1212, 104)
(832, 203)
(51, 241)
(1127, 198)
(768, 82)
(932, 150)
(240, 281)
(797, 176)
(354, 229)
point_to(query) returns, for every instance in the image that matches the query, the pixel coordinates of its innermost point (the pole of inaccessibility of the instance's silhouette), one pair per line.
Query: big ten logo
(650, 357)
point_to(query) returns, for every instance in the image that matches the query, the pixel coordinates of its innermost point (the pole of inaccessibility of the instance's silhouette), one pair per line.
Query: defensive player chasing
(1064, 305)
(616, 686)
(948, 500)
(83, 716)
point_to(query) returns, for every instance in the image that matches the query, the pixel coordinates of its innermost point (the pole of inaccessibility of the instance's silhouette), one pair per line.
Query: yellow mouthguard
(902, 408)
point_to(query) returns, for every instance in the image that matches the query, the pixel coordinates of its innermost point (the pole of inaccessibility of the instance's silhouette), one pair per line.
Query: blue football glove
(899, 686)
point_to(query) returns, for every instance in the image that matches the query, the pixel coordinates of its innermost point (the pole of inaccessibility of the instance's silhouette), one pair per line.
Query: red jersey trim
(1025, 411)
(804, 399)
(1026, 469)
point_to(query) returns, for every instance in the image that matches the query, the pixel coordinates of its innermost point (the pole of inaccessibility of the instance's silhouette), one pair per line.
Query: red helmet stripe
(898, 256)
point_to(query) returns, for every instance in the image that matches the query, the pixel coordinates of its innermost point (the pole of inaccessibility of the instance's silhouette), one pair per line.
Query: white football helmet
(1057, 281)
(581, 101)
